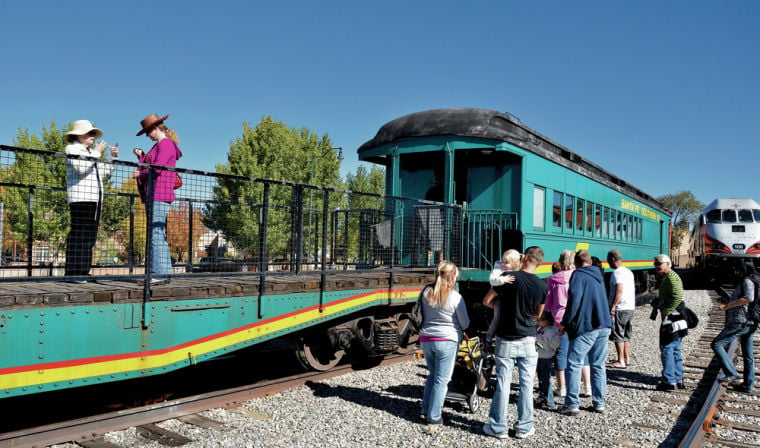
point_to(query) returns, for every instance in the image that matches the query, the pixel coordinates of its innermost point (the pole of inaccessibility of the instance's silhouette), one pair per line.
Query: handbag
(692, 320)
(177, 181)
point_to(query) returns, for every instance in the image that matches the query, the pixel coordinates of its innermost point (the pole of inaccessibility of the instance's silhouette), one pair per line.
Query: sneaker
(490, 432)
(525, 434)
(599, 409)
(680, 386)
(665, 386)
(742, 388)
(560, 393)
(77, 281)
(586, 393)
(731, 379)
(159, 281)
(567, 410)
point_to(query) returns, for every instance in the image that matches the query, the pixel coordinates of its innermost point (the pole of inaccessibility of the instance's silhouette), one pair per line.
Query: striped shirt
(671, 292)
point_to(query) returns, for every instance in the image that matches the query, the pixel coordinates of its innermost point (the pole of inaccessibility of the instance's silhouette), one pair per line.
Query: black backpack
(753, 309)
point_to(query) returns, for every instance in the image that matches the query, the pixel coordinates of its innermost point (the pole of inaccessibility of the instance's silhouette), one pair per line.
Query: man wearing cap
(84, 190)
(673, 325)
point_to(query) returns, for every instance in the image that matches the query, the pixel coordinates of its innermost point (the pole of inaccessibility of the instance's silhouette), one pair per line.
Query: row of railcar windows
(571, 214)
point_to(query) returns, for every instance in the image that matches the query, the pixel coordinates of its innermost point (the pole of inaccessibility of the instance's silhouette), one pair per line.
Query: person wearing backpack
(739, 325)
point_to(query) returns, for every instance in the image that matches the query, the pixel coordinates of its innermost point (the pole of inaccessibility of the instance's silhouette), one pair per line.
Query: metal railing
(225, 223)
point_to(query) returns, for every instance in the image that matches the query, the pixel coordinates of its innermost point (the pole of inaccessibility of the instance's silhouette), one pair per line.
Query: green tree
(685, 209)
(270, 150)
(29, 172)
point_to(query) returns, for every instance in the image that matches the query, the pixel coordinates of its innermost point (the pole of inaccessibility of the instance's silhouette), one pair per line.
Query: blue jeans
(440, 357)
(544, 373)
(749, 357)
(724, 338)
(561, 354)
(672, 361)
(162, 261)
(594, 345)
(506, 353)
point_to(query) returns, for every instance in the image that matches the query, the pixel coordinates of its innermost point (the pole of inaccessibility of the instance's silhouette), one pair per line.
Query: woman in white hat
(84, 188)
(165, 153)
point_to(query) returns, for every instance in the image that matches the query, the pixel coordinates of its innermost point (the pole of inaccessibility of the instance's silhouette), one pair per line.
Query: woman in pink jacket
(164, 153)
(556, 301)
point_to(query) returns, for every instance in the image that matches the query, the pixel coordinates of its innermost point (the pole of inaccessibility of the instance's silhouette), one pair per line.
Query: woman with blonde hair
(444, 317)
(556, 302)
(165, 153)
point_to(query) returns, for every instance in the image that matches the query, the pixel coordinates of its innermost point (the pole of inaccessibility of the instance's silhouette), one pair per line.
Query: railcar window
(713, 216)
(729, 216)
(579, 214)
(745, 215)
(623, 226)
(605, 221)
(598, 221)
(619, 220)
(612, 224)
(557, 210)
(589, 217)
(539, 201)
(569, 200)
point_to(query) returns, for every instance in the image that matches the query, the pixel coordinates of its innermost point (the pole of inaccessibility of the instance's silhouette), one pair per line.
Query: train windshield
(713, 216)
(729, 216)
(745, 215)
(757, 215)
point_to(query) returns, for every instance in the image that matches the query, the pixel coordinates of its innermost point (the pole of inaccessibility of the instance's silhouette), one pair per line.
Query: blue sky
(664, 94)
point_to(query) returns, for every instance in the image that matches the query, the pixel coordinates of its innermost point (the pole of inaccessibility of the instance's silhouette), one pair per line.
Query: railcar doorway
(487, 183)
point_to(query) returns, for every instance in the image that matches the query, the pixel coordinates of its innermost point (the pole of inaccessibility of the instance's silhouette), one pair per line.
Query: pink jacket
(556, 297)
(164, 153)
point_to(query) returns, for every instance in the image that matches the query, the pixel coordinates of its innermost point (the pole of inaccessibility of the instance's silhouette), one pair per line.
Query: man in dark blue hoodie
(587, 323)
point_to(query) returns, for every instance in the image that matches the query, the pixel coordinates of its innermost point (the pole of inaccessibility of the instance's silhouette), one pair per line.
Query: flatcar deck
(59, 293)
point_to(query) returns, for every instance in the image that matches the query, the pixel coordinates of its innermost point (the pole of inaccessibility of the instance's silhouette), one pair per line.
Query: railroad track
(88, 431)
(707, 413)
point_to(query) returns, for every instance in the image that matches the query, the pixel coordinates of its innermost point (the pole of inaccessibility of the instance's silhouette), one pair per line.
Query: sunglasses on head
(657, 263)
(93, 133)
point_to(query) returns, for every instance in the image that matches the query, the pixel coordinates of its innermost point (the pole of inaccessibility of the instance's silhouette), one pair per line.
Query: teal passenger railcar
(517, 188)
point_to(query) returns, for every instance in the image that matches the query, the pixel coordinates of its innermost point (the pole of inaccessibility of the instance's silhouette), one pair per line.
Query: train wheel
(317, 353)
(407, 335)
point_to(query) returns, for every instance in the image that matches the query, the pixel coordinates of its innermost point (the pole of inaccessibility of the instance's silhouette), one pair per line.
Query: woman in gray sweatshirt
(444, 316)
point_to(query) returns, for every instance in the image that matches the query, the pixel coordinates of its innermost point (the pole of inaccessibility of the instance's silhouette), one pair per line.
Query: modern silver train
(726, 235)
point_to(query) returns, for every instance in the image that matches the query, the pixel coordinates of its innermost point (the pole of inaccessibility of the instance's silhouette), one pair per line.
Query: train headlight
(717, 246)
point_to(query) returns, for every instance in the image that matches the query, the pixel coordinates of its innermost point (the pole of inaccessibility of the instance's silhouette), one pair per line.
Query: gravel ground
(379, 407)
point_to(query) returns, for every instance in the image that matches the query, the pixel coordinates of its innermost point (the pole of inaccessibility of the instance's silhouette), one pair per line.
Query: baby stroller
(469, 377)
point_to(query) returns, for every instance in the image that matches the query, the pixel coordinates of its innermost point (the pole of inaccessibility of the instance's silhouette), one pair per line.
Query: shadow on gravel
(401, 401)
(629, 378)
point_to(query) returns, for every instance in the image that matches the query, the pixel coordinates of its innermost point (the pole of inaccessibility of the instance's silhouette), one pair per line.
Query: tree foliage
(685, 209)
(177, 233)
(270, 150)
(49, 205)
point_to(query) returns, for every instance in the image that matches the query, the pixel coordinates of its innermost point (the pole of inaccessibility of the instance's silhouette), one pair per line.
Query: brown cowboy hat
(150, 122)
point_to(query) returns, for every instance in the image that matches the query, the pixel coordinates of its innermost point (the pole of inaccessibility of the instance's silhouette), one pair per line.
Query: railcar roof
(491, 124)
(732, 203)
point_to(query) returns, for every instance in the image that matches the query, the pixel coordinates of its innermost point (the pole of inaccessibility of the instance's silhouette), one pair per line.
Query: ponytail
(445, 282)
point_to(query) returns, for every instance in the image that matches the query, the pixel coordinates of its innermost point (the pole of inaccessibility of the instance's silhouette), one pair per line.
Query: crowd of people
(84, 187)
(563, 325)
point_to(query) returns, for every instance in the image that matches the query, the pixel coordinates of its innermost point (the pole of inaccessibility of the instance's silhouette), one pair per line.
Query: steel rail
(89, 427)
(701, 427)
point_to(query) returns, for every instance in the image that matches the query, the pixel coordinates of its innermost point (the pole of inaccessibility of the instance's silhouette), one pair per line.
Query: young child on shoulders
(511, 260)
(547, 341)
